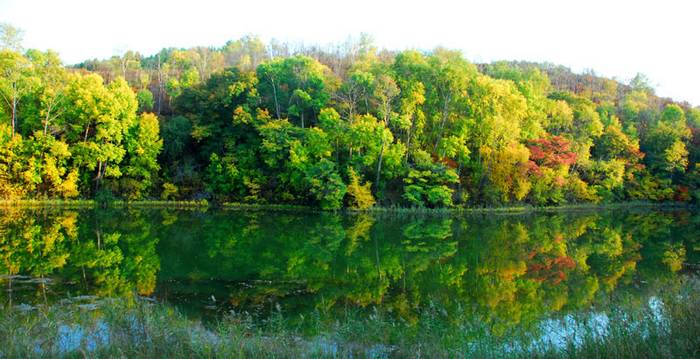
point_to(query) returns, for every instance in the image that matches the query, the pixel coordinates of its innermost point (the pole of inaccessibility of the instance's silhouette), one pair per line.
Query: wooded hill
(343, 126)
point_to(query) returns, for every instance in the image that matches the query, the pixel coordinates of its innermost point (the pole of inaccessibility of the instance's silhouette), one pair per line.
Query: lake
(501, 270)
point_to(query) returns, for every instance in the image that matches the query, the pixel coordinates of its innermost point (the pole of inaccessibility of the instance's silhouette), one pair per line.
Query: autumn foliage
(550, 152)
(310, 127)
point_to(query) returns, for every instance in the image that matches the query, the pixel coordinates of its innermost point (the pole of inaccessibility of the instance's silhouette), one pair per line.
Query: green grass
(459, 210)
(255, 206)
(530, 208)
(141, 329)
(160, 204)
(82, 203)
(378, 209)
(72, 203)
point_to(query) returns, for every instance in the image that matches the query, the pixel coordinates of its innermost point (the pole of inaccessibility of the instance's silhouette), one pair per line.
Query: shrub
(359, 196)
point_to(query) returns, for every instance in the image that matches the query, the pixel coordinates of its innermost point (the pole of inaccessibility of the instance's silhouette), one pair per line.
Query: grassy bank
(530, 208)
(161, 204)
(61, 203)
(142, 329)
(459, 210)
(82, 203)
(289, 207)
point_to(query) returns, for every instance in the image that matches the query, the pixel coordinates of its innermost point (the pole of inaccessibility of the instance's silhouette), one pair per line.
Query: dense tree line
(351, 126)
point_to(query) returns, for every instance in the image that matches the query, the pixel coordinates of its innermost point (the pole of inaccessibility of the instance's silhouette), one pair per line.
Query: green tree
(145, 100)
(15, 83)
(296, 87)
(101, 115)
(428, 183)
(143, 145)
(664, 143)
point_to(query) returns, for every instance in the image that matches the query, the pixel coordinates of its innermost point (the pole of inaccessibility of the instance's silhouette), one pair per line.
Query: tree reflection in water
(502, 270)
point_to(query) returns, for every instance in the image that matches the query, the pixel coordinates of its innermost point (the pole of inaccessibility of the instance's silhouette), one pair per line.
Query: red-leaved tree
(550, 152)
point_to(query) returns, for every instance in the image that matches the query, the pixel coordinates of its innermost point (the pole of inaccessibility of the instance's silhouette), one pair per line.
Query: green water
(505, 270)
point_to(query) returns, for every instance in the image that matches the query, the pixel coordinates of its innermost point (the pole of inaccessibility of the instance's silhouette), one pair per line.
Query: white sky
(614, 38)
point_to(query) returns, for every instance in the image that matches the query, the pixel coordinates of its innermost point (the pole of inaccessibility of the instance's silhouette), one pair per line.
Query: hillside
(342, 126)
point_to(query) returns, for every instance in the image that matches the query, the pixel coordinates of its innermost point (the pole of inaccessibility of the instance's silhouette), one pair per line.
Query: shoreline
(204, 204)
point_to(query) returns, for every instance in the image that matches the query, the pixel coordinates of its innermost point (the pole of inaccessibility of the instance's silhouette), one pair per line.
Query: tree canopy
(353, 127)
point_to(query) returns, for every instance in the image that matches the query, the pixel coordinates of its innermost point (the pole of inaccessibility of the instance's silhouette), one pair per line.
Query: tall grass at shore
(668, 326)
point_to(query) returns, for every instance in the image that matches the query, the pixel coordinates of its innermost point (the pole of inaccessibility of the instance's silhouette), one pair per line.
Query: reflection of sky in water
(559, 332)
(73, 337)
(572, 329)
(555, 334)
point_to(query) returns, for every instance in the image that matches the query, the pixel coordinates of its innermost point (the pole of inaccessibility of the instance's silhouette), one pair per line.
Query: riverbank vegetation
(664, 326)
(346, 126)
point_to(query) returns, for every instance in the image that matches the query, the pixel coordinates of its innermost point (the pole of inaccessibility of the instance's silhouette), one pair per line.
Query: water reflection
(502, 270)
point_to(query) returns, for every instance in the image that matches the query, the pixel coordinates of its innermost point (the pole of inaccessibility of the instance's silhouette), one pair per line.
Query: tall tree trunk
(14, 109)
(351, 109)
(47, 118)
(274, 93)
(99, 175)
(381, 152)
(379, 165)
(350, 120)
(408, 136)
(160, 86)
(442, 123)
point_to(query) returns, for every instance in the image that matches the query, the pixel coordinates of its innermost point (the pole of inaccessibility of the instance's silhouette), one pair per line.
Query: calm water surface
(504, 270)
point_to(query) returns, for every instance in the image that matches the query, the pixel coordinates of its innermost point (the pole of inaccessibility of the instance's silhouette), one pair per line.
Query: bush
(104, 196)
(359, 196)
(169, 191)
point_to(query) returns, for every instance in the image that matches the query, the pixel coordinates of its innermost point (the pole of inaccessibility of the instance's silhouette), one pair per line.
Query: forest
(343, 126)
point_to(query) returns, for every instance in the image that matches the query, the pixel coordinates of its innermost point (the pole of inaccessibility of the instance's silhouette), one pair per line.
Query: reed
(143, 329)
